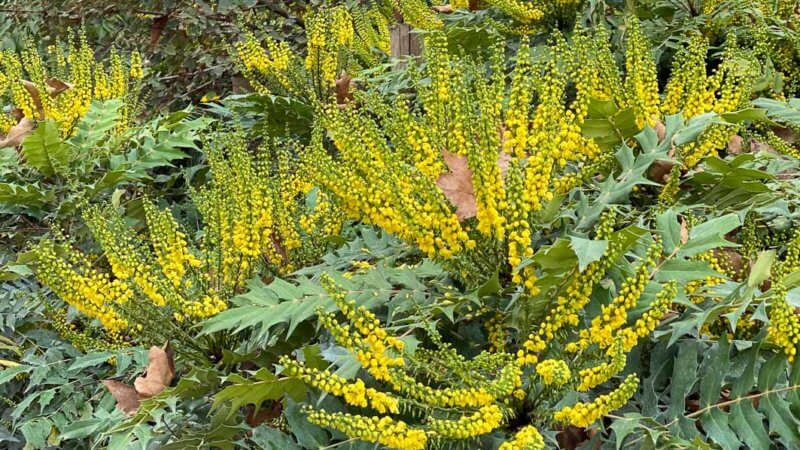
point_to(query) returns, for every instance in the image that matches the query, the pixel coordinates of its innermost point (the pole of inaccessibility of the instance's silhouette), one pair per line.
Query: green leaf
(746, 421)
(715, 424)
(45, 151)
(684, 271)
(269, 438)
(9, 373)
(261, 387)
(308, 435)
(716, 365)
(587, 250)
(781, 420)
(82, 428)
(761, 269)
(670, 230)
(710, 235)
(684, 377)
(623, 427)
(94, 127)
(90, 360)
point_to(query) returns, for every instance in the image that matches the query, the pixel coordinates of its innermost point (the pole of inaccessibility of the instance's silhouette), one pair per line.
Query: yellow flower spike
(527, 438)
(485, 420)
(553, 372)
(641, 81)
(584, 414)
(386, 431)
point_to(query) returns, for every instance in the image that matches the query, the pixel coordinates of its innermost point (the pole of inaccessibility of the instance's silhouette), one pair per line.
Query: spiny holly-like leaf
(44, 150)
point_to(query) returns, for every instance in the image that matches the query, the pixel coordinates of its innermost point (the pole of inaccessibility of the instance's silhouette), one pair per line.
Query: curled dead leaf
(158, 374)
(126, 396)
(735, 145)
(759, 146)
(342, 89)
(661, 130)
(457, 185)
(444, 9)
(786, 134)
(17, 133)
(56, 86)
(660, 171)
(156, 377)
(33, 90)
(684, 231)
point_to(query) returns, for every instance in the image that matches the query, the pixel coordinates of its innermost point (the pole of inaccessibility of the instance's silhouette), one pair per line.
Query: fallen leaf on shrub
(126, 396)
(56, 86)
(684, 231)
(457, 185)
(660, 171)
(17, 133)
(33, 90)
(758, 146)
(158, 374)
(735, 145)
(156, 377)
(661, 130)
(786, 134)
(343, 94)
(444, 9)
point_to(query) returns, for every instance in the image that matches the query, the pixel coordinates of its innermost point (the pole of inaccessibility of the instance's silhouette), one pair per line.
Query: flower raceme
(460, 398)
(61, 83)
(256, 220)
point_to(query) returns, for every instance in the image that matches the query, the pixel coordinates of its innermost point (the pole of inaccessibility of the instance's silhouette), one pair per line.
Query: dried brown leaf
(759, 146)
(457, 185)
(17, 133)
(444, 9)
(343, 84)
(684, 231)
(158, 374)
(661, 130)
(56, 86)
(126, 396)
(33, 90)
(735, 145)
(786, 134)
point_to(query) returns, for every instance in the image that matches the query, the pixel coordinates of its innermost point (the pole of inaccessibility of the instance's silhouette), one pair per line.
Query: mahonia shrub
(496, 149)
(259, 218)
(61, 84)
(514, 387)
(339, 41)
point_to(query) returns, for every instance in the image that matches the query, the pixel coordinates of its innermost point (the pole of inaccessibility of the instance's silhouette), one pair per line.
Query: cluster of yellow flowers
(584, 414)
(254, 220)
(354, 393)
(338, 38)
(470, 406)
(396, 170)
(87, 290)
(471, 403)
(527, 438)
(553, 372)
(252, 213)
(692, 92)
(784, 323)
(63, 83)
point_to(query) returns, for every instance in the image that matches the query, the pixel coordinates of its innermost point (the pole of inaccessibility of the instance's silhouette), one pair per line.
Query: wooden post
(403, 43)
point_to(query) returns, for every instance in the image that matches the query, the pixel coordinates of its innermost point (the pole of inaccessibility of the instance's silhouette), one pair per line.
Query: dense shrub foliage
(562, 224)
